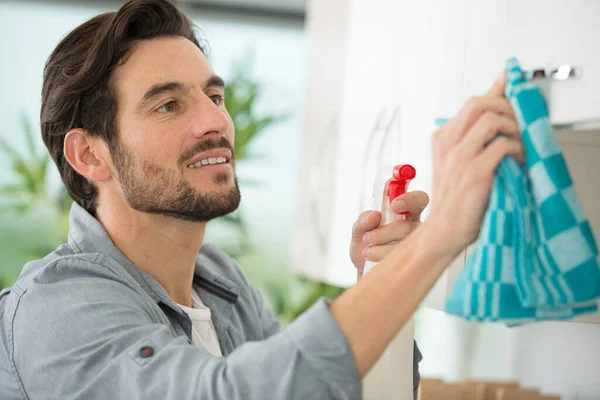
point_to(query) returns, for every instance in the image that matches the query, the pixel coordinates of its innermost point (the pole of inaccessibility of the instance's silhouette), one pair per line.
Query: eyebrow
(161, 88)
(213, 81)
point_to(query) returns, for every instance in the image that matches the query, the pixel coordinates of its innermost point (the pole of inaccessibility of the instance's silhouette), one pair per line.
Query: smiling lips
(210, 158)
(208, 161)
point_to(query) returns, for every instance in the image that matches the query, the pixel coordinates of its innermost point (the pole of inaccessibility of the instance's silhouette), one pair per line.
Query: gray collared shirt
(85, 323)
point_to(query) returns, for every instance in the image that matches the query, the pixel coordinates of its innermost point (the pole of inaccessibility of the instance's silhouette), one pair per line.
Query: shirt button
(146, 351)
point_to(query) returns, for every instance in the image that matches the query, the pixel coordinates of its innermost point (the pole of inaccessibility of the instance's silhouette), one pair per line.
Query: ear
(82, 152)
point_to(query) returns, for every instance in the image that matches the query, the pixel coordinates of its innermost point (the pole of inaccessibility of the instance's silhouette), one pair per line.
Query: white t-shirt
(204, 334)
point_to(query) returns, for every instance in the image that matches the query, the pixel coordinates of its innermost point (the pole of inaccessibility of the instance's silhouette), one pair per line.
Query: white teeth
(208, 161)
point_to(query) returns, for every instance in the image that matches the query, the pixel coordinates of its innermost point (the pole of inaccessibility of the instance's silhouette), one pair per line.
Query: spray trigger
(403, 174)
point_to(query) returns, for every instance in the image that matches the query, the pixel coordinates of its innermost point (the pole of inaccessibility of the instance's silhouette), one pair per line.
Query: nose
(210, 118)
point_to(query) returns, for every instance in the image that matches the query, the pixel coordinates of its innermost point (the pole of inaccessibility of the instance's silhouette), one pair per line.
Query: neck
(162, 246)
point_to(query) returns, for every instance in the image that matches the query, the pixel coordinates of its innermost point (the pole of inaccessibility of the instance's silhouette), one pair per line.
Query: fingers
(377, 253)
(465, 162)
(453, 132)
(498, 87)
(366, 221)
(412, 202)
(393, 232)
(494, 153)
(484, 130)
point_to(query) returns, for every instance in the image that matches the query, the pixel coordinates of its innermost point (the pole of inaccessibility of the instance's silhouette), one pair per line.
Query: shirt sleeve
(271, 326)
(95, 337)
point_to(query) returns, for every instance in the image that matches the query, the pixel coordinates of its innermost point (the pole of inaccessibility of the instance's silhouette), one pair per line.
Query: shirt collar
(87, 235)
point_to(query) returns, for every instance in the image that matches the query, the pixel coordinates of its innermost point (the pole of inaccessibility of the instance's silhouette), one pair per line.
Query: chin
(223, 178)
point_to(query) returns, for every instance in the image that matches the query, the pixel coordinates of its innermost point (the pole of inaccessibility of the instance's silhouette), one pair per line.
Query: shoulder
(73, 271)
(72, 300)
(54, 292)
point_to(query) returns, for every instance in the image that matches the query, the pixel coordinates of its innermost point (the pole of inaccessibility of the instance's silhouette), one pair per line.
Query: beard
(151, 188)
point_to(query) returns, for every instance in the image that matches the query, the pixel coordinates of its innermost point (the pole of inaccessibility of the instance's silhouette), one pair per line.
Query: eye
(217, 99)
(168, 107)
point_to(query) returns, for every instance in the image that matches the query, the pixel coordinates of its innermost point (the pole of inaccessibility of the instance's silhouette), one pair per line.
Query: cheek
(131, 134)
(152, 142)
(147, 150)
(164, 155)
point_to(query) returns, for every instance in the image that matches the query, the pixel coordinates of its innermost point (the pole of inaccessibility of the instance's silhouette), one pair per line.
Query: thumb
(497, 89)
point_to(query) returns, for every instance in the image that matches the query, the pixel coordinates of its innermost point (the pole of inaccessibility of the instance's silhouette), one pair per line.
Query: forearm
(373, 312)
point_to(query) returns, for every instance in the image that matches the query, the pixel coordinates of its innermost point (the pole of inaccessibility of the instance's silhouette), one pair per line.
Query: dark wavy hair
(79, 87)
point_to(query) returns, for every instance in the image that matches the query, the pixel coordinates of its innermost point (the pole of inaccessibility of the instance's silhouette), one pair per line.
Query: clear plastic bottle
(392, 376)
(392, 188)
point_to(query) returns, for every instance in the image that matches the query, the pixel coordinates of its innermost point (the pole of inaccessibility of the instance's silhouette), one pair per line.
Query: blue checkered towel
(536, 257)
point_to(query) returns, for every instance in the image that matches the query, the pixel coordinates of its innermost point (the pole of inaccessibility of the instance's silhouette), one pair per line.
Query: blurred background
(322, 94)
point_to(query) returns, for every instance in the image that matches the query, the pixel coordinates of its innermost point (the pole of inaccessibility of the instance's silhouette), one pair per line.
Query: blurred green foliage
(34, 218)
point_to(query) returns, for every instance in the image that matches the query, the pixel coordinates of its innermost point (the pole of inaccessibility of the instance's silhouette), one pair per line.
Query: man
(134, 305)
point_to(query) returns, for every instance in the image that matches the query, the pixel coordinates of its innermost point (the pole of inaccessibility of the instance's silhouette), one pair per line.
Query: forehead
(159, 60)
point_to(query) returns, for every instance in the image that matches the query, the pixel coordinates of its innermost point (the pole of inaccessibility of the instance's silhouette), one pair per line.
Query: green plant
(31, 170)
(286, 307)
(31, 188)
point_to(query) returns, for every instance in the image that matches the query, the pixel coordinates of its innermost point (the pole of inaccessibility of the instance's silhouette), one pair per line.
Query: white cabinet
(394, 58)
(327, 34)
(418, 61)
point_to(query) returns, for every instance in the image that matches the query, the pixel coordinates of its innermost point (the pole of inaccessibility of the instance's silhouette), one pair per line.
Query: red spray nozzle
(403, 174)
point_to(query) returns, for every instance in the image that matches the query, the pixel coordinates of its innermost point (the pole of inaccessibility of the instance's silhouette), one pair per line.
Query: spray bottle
(392, 376)
(396, 186)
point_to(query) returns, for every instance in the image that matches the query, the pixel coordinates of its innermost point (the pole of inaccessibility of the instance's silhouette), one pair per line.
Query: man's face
(175, 152)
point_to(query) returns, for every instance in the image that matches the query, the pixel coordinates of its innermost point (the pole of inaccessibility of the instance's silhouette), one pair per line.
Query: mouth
(209, 158)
